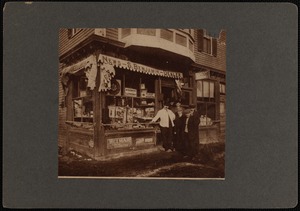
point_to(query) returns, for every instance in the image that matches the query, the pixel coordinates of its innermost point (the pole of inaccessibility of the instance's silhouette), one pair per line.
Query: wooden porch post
(98, 105)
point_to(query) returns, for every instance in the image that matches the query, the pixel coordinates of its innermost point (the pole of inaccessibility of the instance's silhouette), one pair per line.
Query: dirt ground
(209, 163)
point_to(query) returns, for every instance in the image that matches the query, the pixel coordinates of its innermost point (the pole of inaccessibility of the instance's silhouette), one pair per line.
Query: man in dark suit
(195, 117)
(191, 133)
(178, 130)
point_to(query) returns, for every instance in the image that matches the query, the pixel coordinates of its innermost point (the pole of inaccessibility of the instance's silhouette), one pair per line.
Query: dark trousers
(167, 137)
(177, 139)
(189, 146)
(193, 147)
(185, 144)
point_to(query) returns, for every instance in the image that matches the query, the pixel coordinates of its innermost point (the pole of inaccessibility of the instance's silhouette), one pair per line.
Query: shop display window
(134, 104)
(81, 100)
(207, 112)
(206, 102)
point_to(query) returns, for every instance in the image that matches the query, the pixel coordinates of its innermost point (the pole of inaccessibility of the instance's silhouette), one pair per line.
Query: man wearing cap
(166, 124)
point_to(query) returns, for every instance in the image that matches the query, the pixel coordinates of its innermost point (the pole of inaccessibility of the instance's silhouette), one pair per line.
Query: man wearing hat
(178, 129)
(166, 124)
(194, 112)
(191, 130)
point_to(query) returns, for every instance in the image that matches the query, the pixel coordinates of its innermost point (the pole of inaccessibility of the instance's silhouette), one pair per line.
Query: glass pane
(82, 86)
(212, 89)
(209, 46)
(205, 45)
(166, 34)
(199, 89)
(146, 31)
(77, 105)
(185, 100)
(181, 40)
(211, 111)
(205, 89)
(201, 108)
(125, 32)
(191, 45)
(222, 88)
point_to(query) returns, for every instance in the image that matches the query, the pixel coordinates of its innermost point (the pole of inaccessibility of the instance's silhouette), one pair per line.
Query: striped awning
(132, 66)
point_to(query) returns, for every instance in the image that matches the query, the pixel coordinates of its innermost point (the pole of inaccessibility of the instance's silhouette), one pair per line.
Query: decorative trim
(132, 66)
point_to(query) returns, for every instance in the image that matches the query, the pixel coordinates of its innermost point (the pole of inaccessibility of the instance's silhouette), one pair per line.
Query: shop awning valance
(89, 65)
(86, 63)
(108, 60)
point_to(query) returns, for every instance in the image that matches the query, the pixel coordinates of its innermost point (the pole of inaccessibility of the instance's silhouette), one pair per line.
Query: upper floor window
(222, 88)
(150, 32)
(191, 46)
(166, 34)
(125, 32)
(206, 43)
(181, 40)
(73, 31)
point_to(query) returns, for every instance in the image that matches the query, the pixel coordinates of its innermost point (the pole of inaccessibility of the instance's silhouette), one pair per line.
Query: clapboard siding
(112, 33)
(216, 62)
(67, 43)
(62, 128)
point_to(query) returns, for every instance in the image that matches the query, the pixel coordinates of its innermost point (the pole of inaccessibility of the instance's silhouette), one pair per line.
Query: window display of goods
(150, 95)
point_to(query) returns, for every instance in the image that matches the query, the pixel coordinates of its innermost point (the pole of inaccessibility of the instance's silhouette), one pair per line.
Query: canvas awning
(132, 66)
(73, 69)
(87, 63)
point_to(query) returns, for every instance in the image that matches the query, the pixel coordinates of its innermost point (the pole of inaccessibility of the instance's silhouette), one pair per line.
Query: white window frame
(75, 31)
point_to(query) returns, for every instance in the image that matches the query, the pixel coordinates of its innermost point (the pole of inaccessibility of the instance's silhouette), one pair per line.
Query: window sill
(208, 54)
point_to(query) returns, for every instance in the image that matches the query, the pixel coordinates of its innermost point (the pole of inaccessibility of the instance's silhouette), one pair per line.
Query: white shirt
(164, 116)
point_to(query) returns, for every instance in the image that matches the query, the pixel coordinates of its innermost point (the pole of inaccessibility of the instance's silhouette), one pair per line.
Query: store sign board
(130, 92)
(142, 141)
(113, 143)
(139, 141)
(202, 75)
(137, 67)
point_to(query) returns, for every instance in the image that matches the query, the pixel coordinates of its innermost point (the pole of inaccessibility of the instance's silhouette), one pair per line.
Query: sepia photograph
(142, 103)
(147, 117)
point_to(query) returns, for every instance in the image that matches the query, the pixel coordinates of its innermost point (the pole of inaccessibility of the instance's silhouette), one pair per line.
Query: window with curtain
(206, 102)
(222, 89)
(205, 89)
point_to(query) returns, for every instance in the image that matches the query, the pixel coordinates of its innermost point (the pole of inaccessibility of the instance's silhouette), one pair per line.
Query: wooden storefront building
(113, 81)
